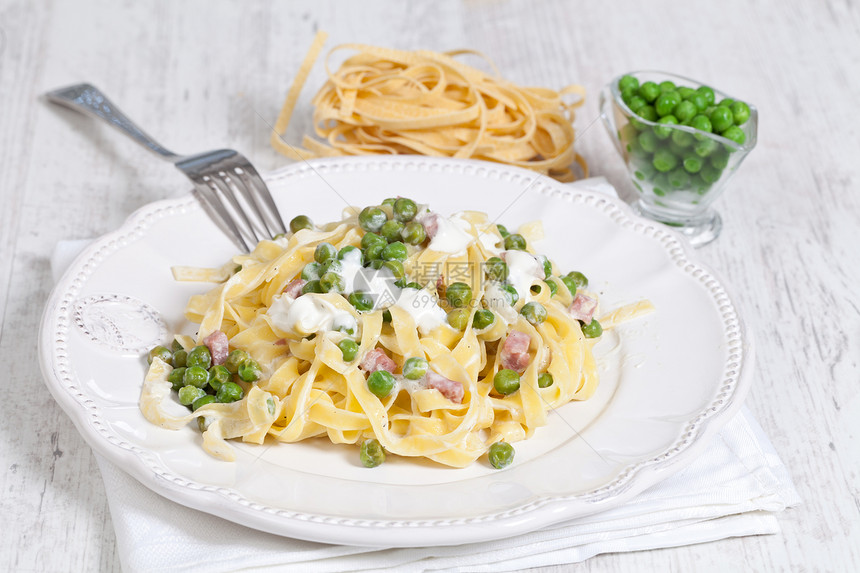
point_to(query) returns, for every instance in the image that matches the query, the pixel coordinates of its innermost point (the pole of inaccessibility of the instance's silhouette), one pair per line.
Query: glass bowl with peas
(681, 141)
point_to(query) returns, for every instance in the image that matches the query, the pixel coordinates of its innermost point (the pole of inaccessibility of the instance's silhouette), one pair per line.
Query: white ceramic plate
(669, 381)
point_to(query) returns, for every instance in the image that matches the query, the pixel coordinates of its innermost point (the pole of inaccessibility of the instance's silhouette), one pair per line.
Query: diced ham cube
(430, 220)
(582, 308)
(451, 389)
(294, 288)
(515, 351)
(377, 359)
(219, 346)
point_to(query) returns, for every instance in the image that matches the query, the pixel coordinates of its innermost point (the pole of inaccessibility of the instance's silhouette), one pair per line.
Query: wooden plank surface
(201, 74)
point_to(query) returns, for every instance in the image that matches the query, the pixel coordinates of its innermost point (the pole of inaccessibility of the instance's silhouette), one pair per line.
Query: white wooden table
(204, 74)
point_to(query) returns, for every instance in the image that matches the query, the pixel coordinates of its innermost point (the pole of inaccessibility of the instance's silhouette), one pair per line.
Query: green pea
(229, 392)
(547, 266)
(685, 111)
(348, 348)
(515, 242)
(648, 140)
(736, 134)
(544, 380)
(682, 139)
(636, 103)
(698, 100)
(391, 230)
(592, 329)
(648, 112)
(534, 312)
(301, 222)
(553, 287)
(705, 147)
(664, 160)
(405, 209)
(708, 93)
(234, 359)
(386, 316)
(396, 268)
(176, 346)
(627, 94)
(663, 131)
(496, 269)
(510, 293)
(719, 159)
(500, 455)
(679, 178)
(372, 239)
(413, 233)
(506, 381)
(177, 377)
(685, 91)
(180, 358)
(371, 454)
(710, 174)
(324, 252)
(341, 254)
(219, 375)
(693, 163)
(361, 301)
(578, 278)
(667, 86)
(389, 202)
(203, 423)
(721, 119)
(199, 356)
(332, 282)
(458, 294)
(415, 367)
(395, 251)
(666, 102)
(726, 102)
(311, 271)
(372, 218)
(161, 352)
(628, 82)
(202, 401)
(702, 123)
(648, 91)
(503, 231)
(459, 318)
(312, 287)
(483, 319)
(380, 383)
(373, 253)
(740, 112)
(249, 371)
(187, 394)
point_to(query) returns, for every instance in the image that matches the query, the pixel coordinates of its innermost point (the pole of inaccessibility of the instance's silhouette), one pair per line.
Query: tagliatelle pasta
(438, 345)
(385, 101)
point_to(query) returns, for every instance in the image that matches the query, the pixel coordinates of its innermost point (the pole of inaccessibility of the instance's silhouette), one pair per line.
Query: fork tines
(237, 197)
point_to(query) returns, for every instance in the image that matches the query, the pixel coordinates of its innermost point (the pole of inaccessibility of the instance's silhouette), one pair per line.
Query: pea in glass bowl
(678, 171)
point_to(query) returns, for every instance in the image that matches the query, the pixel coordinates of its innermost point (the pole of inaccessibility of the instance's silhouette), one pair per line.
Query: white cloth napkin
(733, 489)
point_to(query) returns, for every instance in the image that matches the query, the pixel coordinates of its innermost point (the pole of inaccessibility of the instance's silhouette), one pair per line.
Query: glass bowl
(678, 171)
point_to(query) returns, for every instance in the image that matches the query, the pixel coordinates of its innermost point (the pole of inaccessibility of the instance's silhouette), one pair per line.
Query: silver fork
(227, 185)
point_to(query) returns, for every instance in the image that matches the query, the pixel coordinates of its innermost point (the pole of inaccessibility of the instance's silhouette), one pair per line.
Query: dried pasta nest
(385, 101)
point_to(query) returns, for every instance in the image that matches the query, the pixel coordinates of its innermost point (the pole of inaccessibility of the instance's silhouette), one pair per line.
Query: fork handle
(88, 100)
